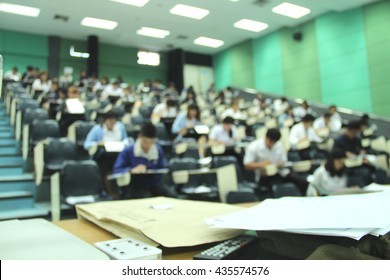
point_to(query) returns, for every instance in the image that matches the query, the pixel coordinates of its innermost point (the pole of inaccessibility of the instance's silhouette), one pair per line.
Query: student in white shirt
(13, 75)
(166, 109)
(322, 124)
(42, 83)
(301, 110)
(329, 177)
(335, 120)
(112, 90)
(303, 133)
(280, 105)
(264, 152)
(234, 111)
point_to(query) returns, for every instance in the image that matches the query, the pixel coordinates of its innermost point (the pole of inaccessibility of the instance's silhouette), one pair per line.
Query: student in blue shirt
(144, 154)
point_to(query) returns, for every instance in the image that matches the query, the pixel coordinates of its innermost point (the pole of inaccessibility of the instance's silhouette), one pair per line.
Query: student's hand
(363, 152)
(350, 155)
(265, 163)
(183, 131)
(139, 169)
(101, 143)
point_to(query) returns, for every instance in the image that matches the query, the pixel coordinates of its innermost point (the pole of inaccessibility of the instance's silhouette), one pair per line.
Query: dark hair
(329, 164)
(228, 120)
(354, 125)
(327, 115)
(273, 134)
(111, 115)
(196, 108)
(148, 130)
(364, 120)
(171, 103)
(308, 118)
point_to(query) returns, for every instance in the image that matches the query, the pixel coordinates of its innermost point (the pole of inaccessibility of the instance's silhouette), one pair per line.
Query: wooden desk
(91, 233)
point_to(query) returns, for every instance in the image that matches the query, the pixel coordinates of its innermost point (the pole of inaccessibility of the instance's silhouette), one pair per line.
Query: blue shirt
(96, 135)
(127, 160)
(181, 122)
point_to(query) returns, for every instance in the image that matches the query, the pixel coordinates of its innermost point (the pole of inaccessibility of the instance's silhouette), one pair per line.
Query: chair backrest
(241, 197)
(42, 129)
(82, 130)
(146, 111)
(79, 178)
(226, 160)
(285, 189)
(58, 151)
(27, 103)
(30, 115)
(177, 164)
(161, 131)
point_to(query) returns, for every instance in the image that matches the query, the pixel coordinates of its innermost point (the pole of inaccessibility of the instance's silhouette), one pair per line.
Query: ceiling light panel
(251, 25)
(19, 10)
(189, 11)
(208, 42)
(153, 32)
(291, 10)
(99, 23)
(136, 3)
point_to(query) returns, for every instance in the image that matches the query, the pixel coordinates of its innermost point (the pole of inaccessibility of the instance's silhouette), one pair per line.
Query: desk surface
(91, 233)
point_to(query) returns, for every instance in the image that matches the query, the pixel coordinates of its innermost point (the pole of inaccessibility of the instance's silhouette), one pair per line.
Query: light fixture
(137, 3)
(251, 25)
(148, 58)
(19, 10)
(99, 23)
(189, 11)
(73, 53)
(208, 42)
(153, 32)
(291, 10)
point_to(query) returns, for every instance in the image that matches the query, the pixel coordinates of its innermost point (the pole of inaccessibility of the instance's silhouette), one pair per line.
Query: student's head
(353, 129)
(73, 92)
(308, 120)
(305, 104)
(327, 117)
(193, 112)
(110, 120)
(332, 109)
(335, 163)
(227, 123)
(54, 86)
(273, 135)
(147, 136)
(171, 103)
(364, 120)
(14, 69)
(43, 76)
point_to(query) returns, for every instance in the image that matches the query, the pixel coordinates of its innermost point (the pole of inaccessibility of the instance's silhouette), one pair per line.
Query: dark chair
(30, 115)
(81, 178)
(57, 152)
(82, 130)
(42, 129)
(163, 139)
(241, 197)
(285, 189)
(146, 111)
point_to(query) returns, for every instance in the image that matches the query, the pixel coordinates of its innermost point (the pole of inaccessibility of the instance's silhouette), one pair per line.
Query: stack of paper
(350, 216)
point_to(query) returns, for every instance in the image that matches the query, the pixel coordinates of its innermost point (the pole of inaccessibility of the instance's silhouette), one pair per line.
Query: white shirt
(280, 106)
(319, 123)
(111, 91)
(237, 115)
(38, 85)
(217, 133)
(298, 132)
(326, 184)
(257, 151)
(164, 111)
(335, 122)
(9, 75)
(113, 135)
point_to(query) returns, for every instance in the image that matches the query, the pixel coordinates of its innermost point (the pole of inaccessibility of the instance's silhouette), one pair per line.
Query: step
(8, 142)
(4, 122)
(15, 194)
(34, 211)
(7, 129)
(23, 182)
(9, 161)
(7, 135)
(9, 151)
(13, 203)
(11, 170)
(29, 177)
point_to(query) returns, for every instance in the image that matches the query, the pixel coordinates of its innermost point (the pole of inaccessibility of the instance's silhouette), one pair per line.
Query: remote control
(240, 247)
(129, 249)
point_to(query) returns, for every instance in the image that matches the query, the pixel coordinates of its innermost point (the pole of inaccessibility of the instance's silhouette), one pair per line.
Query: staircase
(17, 188)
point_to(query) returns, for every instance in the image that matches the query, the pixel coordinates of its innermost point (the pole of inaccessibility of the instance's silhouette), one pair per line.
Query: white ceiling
(218, 24)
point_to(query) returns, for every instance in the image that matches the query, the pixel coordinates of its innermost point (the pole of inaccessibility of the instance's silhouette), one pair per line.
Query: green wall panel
(116, 60)
(377, 26)
(242, 65)
(345, 79)
(222, 70)
(22, 49)
(300, 64)
(267, 62)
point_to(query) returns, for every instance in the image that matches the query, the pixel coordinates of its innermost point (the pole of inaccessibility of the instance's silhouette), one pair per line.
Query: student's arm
(123, 162)
(179, 124)
(250, 162)
(161, 160)
(93, 137)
